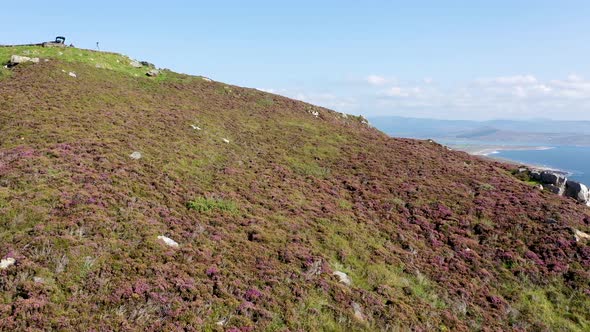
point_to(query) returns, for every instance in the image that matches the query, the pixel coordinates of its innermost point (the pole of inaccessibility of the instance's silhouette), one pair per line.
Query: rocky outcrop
(557, 183)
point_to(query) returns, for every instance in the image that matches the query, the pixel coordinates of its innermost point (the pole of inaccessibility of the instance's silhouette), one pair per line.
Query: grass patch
(102, 60)
(204, 205)
(265, 102)
(308, 168)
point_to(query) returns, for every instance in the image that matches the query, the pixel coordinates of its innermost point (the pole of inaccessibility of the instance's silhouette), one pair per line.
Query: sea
(574, 160)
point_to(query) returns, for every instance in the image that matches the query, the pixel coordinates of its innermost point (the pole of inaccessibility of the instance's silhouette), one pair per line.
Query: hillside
(287, 216)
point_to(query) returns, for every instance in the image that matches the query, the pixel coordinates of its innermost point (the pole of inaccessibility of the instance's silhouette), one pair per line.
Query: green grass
(265, 102)
(103, 60)
(203, 205)
(308, 168)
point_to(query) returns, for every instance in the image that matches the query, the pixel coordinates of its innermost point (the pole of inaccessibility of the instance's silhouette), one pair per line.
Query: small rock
(46, 60)
(39, 280)
(135, 64)
(315, 113)
(196, 127)
(153, 72)
(135, 155)
(226, 140)
(17, 59)
(581, 235)
(343, 277)
(358, 312)
(168, 241)
(206, 79)
(539, 187)
(35, 60)
(7, 262)
(72, 74)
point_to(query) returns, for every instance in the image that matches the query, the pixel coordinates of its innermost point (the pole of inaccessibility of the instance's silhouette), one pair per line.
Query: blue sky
(442, 59)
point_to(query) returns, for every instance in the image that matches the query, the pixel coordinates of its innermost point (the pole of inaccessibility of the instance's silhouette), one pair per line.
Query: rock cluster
(559, 184)
(18, 59)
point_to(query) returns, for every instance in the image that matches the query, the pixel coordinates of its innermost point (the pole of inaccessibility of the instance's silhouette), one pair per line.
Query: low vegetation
(267, 198)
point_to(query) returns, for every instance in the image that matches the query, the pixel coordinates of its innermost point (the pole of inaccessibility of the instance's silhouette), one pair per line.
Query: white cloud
(517, 96)
(377, 80)
(397, 91)
(509, 80)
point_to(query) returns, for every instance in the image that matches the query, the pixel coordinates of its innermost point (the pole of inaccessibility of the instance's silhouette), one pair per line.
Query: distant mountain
(502, 131)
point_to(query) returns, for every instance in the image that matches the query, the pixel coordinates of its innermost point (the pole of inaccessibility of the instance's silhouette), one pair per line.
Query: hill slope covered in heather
(287, 216)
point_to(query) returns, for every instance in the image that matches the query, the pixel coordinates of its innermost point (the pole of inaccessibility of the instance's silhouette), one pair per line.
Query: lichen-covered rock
(135, 64)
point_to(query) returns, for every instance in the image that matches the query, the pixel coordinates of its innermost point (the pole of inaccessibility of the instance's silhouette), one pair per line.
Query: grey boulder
(577, 190)
(153, 72)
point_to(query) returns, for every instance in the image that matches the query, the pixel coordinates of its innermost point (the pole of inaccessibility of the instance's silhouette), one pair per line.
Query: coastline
(488, 152)
(495, 149)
